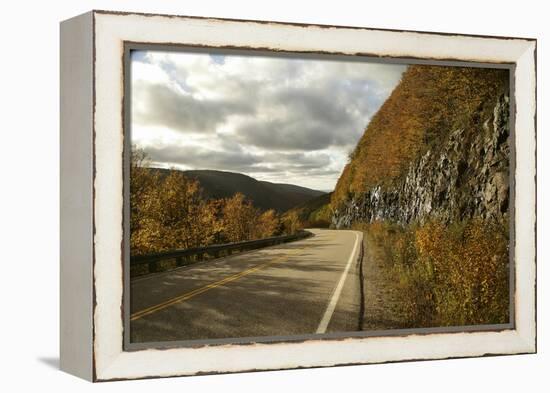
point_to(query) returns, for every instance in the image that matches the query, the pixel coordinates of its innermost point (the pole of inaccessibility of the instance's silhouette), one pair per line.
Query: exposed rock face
(465, 176)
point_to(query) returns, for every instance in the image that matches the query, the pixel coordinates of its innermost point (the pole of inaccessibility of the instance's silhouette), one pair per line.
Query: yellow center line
(198, 291)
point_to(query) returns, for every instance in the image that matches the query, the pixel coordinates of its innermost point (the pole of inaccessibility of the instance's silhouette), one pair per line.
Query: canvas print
(278, 196)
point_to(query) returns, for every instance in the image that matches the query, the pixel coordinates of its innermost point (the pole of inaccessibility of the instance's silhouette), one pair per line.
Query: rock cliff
(465, 175)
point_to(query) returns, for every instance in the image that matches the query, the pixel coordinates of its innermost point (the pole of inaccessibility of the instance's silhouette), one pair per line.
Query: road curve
(304, 287)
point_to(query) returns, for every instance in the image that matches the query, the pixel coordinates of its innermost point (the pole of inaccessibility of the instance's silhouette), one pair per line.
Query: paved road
(304, 287)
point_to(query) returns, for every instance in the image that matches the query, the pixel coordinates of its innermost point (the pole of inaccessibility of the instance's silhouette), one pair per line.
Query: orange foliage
(291, 222)
(451, 275)
(242, 221)
(429, 102)
(169, 212)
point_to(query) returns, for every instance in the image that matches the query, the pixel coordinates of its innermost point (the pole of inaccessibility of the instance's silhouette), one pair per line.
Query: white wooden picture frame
(92, 193)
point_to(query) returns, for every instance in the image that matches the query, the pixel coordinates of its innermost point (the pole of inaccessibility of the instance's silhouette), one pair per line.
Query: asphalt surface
(304, 287)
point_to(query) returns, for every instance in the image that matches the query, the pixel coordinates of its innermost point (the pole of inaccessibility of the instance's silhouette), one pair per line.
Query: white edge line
(336, 294)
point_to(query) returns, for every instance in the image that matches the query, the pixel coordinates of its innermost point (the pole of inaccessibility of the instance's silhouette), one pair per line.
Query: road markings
(198, 291)
(337, 291)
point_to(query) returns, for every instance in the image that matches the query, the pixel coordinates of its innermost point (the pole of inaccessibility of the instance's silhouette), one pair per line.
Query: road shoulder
(381, 299)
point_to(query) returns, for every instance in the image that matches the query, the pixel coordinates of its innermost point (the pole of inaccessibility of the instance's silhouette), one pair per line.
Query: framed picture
(245, 195)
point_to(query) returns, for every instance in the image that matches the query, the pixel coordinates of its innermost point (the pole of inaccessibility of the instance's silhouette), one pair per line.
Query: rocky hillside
(438, 148)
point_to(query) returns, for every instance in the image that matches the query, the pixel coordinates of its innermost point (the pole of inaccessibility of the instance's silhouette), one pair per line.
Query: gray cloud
(182, 112)
(202, 158)
(310, 119)
(301, 160)
(238, 160)
(332, 113)
(289, 119)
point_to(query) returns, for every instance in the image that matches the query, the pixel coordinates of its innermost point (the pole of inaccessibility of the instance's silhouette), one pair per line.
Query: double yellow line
(198, 291)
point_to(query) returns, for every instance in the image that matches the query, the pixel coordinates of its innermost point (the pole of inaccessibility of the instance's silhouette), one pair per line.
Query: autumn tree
(292, 223)
(144, 230)
(188, 220)
(239, 218)
(267, 224)
(169, 211)
(216, 207)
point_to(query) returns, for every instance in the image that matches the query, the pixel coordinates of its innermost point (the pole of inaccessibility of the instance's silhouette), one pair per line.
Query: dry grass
(447, 275)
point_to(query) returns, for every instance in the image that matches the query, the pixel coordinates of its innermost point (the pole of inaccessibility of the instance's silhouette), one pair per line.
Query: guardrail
(163, 261)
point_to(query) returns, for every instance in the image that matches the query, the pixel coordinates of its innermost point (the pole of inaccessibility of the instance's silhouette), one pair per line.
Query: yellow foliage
(239, 216)
(429, 102)
(292, 223)
(448, 275)
(168, 211)
(267, 224)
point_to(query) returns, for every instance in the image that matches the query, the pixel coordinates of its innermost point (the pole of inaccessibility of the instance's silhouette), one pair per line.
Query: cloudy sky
(278, 119)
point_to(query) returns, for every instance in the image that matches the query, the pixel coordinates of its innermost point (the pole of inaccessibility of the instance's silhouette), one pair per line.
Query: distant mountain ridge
(265, 195)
